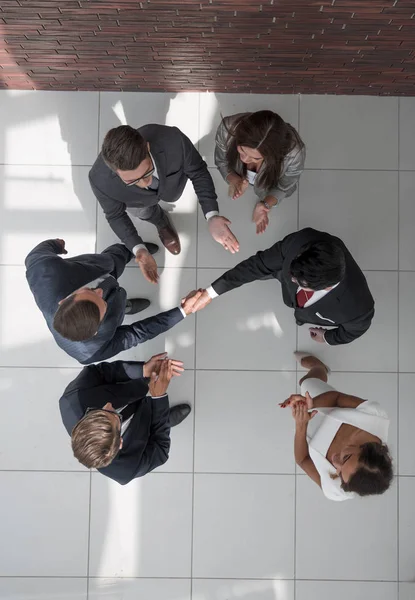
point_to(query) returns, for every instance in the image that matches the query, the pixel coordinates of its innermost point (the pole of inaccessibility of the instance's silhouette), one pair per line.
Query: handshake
(195, 300)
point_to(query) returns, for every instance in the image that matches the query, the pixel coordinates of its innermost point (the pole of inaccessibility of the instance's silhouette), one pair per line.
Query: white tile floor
(227, 517)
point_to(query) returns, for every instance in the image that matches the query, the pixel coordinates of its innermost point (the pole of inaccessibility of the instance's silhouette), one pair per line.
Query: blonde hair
(96, 440)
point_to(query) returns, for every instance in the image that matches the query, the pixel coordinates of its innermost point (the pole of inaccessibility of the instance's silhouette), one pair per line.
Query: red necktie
(303, 297)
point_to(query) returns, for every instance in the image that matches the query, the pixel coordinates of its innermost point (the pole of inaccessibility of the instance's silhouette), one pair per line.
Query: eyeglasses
(150, 172)
(113, 412)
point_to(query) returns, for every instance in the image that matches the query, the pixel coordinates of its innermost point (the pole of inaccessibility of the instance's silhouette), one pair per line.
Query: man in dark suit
(139, 167)
(84, 306)
(320, 280)
(114, 426)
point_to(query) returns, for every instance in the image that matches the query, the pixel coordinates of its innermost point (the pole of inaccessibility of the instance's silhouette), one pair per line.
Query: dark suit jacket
(350, 305)
(146, 442)
(52, 278)
(176, 159)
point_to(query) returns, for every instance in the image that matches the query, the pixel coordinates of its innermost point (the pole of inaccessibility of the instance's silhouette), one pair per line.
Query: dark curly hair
(375, 472)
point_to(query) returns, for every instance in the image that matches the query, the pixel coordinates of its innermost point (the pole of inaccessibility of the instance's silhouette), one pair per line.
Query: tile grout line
(96, 201)
(398, 356)
(89, 535)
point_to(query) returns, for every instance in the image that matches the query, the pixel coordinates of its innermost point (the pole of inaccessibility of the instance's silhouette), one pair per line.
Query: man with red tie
(320, 280)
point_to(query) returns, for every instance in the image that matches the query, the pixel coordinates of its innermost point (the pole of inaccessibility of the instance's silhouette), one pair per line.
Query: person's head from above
(319, 266)
(262, 137)
(365, 469)
(79, 315)
(127, 153)
(96, 438)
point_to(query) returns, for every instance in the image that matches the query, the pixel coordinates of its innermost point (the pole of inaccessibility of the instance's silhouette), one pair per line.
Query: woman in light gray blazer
(262, 150)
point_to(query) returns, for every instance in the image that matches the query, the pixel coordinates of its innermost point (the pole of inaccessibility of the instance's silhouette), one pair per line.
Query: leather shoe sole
(178, 413)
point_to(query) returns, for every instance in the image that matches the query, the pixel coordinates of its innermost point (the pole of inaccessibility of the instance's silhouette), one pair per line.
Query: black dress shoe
(178, 414)
(136, 305)
(152, 248)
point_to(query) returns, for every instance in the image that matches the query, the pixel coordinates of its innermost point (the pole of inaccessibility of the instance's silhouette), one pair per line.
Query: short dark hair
(77, 320)
(96, 440)
(375, 473)
(124, 148)
(319, 265)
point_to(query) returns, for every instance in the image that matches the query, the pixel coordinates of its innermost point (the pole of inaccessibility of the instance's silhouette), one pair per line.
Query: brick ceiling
(287, 46)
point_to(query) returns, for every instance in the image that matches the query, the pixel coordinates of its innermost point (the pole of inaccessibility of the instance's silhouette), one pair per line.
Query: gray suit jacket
(292, 167)
(52, 278)
(176, 159)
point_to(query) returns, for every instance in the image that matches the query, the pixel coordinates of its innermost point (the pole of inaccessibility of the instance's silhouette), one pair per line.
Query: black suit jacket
(350, 305)
(52, 278)
(146, 442)
(176, 159)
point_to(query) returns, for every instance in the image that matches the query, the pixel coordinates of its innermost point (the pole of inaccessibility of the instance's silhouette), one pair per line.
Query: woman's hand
(237, 185)
(260, 217)
(298, 398)
(300, 413)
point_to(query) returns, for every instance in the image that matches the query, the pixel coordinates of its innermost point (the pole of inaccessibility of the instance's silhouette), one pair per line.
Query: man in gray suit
(84, 306)
(139, 167)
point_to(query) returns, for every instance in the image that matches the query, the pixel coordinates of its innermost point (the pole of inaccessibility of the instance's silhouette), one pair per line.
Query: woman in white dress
(262, 150)
(340, 440)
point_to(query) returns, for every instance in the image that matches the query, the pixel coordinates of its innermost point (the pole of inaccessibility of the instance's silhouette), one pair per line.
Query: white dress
(322, 429)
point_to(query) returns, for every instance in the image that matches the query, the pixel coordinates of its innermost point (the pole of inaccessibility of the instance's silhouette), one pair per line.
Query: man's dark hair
(319, 265)
(77, 320)
(124, 148)
(375, 473)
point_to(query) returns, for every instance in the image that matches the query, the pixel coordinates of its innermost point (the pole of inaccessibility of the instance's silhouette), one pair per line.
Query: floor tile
(360, 207)
(375, 350)
(215, 106)
(243, 526)
(183, 216)
(343, 132)
(181, 391)
(121, 108)
(252, 328)
(39, 203)
(43, 588)
(406, 529)
(48, 128)
(283, 220)
(25, 339)
(407, 591)
(406, 420)
(345, 590)
(406, 221)
(358, 526)
(378, 387)
(131, 589)
(125, 522)
(174, 284)
(407, 133)
(406, 322)
(240, 412)
(32, 402)
(47, 520)
(235, 589)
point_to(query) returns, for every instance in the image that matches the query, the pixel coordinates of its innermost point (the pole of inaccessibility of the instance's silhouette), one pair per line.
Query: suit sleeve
(117, 218)
(128, 336)
(46, 249)
(156, 452)
(107, 374)
(262, 264)
(196, 170)
(346, 333)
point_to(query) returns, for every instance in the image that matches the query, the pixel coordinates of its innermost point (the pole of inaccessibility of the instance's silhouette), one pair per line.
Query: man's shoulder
(100, 171)
(154, 132)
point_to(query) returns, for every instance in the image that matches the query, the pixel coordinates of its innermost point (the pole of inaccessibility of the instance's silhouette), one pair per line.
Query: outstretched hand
(147, 265)
(298, 398)
(153, 365)
(196, 300)
(190, 300)
(300, 413)
(219, 230)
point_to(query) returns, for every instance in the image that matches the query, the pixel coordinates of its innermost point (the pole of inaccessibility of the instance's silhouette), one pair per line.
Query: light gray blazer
(292, 167)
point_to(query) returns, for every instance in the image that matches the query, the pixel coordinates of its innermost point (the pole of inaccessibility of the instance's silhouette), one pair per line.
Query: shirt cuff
(139, 247)
(211, 213)
(324, 337)
(211, 292)
(182, 311)
(158, 397)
